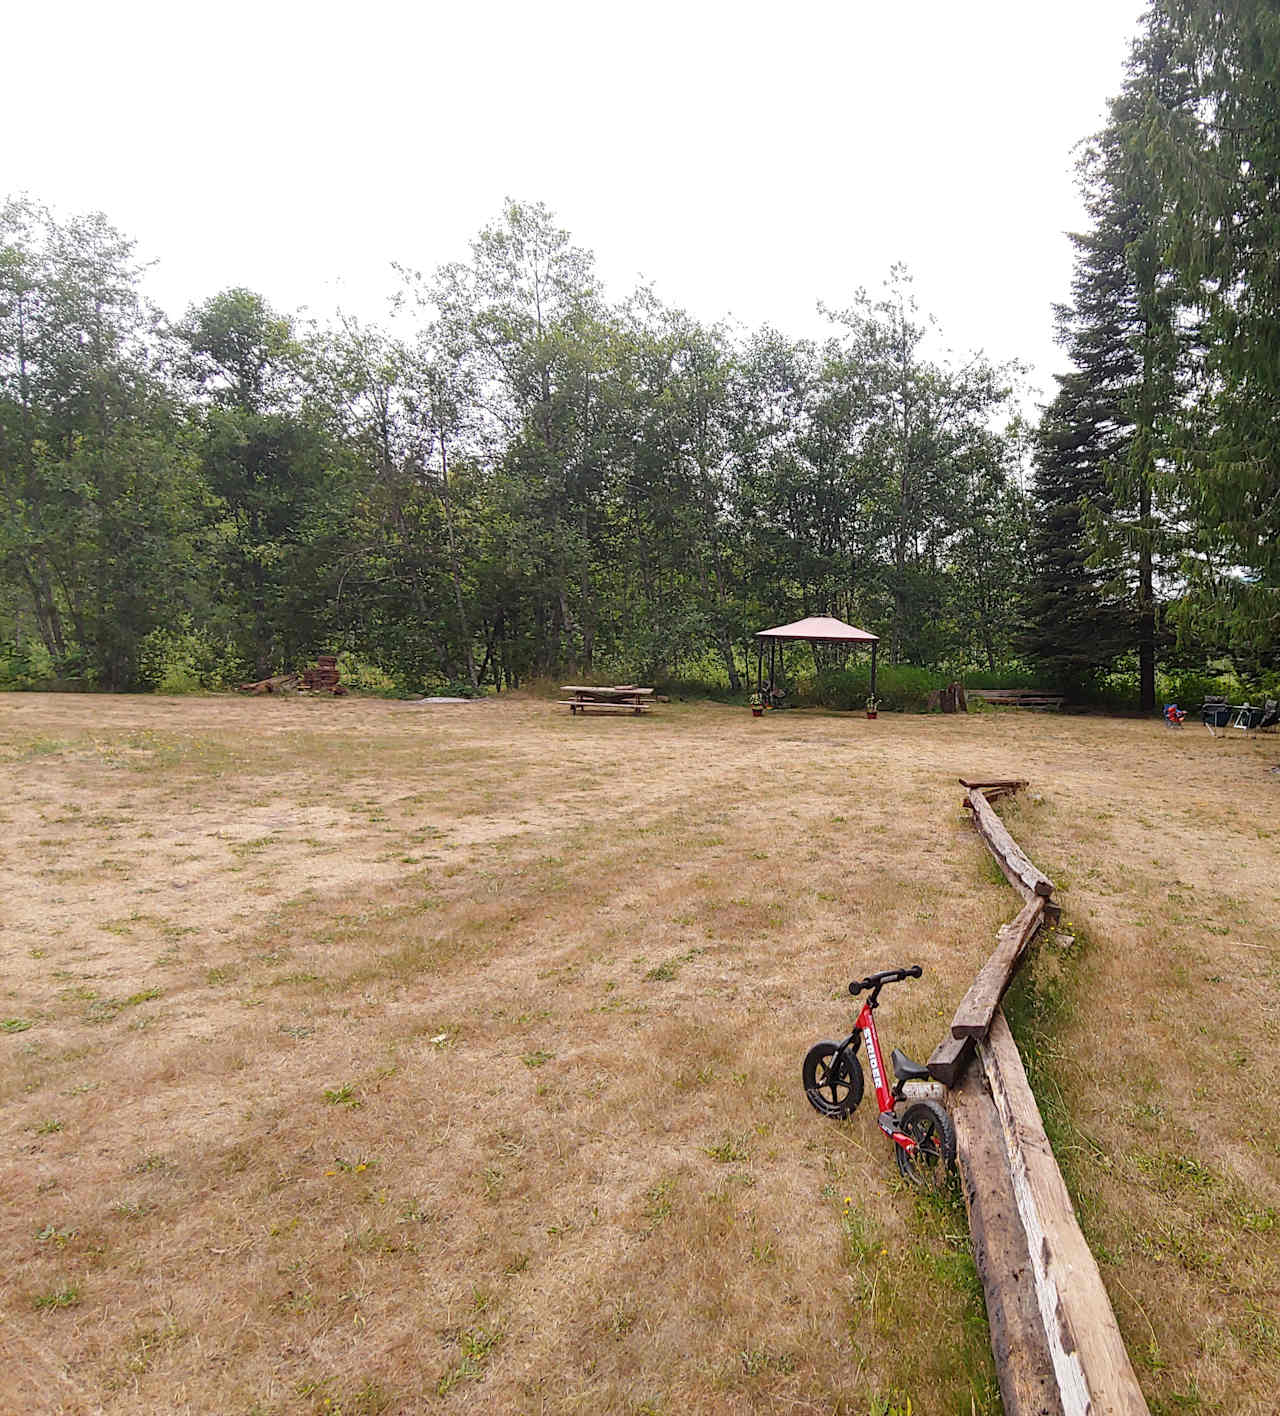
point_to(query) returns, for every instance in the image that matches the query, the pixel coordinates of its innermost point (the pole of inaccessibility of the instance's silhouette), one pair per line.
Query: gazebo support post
(759, 666)
(874, 647)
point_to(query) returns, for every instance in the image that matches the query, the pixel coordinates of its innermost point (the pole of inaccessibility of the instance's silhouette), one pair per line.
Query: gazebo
(817, 629)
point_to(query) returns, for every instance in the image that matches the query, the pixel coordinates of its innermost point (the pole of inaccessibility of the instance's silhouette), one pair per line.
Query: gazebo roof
(823, 629)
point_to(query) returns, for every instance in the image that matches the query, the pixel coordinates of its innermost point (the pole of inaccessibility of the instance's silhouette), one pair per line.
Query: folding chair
(1270, 715)
(1247, 718)
(1173, 715)
(1215, 713)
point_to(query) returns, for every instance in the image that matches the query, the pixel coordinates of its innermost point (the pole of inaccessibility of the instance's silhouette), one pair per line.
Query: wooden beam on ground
(1000, 784)
(1024, 1366)
(1091, 1366)
(949, 1059)
(1006, 850)
(978, 1006)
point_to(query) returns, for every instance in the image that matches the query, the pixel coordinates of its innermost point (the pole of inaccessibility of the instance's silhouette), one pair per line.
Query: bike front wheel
(930, 1165)
(832, 1080)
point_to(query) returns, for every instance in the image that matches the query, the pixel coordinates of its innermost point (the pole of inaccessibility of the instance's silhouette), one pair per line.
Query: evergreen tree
(1219, 156)
(1105, 535)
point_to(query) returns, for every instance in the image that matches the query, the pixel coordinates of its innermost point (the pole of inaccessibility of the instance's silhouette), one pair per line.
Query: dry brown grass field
(365, 1057)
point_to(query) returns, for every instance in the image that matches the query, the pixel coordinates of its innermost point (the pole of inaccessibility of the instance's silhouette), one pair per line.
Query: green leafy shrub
(25, 666)
(365, 677)
(901, 688)
(187, 659)
(1007, 676)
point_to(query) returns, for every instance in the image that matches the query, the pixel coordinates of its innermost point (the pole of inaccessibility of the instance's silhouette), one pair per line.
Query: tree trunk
(1146, 600)
(454, 569)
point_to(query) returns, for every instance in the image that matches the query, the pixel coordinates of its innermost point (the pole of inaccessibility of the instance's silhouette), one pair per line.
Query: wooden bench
(622, 698)
(1017, 697)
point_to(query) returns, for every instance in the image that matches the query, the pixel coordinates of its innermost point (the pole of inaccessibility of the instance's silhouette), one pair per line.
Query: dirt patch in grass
(370, 1057)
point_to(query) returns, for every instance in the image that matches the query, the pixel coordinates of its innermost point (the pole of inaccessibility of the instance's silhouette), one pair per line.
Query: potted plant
(757, 705)
(873, 705)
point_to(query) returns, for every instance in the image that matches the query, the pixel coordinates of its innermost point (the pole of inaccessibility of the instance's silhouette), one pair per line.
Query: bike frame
(885, 1099)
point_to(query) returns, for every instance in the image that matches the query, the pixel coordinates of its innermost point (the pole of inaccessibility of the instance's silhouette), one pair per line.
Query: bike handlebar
(878, 980)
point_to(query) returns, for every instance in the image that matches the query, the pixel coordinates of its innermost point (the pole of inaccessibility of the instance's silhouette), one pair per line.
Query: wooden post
(978, 1006)
(1091, 1366)
(1016, 866)
(949, 1059)
(1024, 1366)
(874, 646)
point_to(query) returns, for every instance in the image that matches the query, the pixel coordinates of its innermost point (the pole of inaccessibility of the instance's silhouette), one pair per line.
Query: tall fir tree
(1107, 534)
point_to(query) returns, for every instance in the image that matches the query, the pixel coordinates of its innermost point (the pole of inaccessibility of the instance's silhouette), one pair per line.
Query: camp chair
(1247, 718)
(1173, 715)
(1270, 715)
(1215, 713)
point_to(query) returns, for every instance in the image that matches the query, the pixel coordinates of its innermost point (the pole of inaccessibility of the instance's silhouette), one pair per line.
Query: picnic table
(593, 698)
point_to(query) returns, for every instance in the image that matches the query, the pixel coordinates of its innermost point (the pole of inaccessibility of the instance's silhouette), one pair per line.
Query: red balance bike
(924, 1140)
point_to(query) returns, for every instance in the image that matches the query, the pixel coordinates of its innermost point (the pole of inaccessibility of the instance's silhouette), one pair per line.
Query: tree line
(516, 475)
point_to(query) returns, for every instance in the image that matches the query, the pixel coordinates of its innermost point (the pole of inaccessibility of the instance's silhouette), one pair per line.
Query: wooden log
(1002, 845)
(1024, 1366)
(269, 685)
(1092, 1368)
(978, 1006)
(949, 1059)
(1006, 784)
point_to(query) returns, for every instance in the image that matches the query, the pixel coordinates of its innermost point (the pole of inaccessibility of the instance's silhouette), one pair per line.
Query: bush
(187, 660)
(365, 677)
(25, 666)
(901, 688)
(1009, 676)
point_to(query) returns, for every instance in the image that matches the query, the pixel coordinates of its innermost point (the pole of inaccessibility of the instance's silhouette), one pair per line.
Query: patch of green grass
(67, 1297)
(537, 1059)
(345, 1095)
(729, 1151)
(51, 1234)
(48, 1128)
(16, 1025)
(476, 1345)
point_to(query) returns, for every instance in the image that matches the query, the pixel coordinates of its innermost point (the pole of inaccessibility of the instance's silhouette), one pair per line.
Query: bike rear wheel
(832, 1080)
(930, 1165)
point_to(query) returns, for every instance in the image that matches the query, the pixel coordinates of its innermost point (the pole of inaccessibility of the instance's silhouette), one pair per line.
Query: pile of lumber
(1055, 1338)
(324, 676)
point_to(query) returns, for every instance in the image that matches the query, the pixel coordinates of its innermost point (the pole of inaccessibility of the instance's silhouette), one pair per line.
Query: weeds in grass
(476, 1344)
(729, 1151)
(538, 1058)
(51, 1234)
(67, 1297)
(345, 1095)
(16, 1025)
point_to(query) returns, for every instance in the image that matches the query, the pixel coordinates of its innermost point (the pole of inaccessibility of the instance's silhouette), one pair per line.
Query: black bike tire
(849, 1076)
(927, 1121)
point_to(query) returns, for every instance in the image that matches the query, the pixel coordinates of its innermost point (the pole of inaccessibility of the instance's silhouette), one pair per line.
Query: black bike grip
(855, 987)
(914, 971)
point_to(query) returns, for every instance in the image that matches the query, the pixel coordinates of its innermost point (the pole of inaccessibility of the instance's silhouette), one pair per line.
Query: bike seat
(905, 1069)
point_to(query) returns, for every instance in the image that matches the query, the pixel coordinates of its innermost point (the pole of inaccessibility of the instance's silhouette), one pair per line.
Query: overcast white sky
(749, 159)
